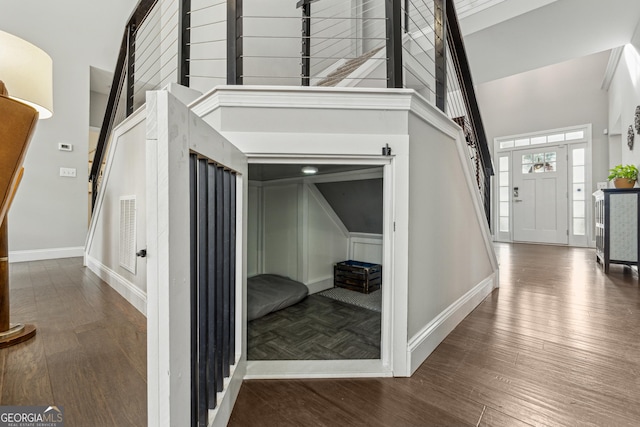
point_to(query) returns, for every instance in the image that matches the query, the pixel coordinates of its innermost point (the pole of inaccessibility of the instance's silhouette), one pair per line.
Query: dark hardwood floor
(89, 353)
(558, 344)
(317, 328)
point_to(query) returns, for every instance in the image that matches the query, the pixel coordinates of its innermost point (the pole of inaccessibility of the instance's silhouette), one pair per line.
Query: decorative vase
(624, 183)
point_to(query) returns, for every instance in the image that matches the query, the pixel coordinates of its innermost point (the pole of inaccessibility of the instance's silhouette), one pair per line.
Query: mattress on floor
(267, 293)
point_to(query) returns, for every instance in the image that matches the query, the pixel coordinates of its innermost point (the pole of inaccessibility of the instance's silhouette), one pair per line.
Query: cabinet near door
(617, 217)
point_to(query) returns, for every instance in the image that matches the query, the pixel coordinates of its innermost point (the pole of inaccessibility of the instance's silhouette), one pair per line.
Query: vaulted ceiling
(507, 37)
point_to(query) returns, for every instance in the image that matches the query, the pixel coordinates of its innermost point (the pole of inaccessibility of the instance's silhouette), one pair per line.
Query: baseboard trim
(424, 342)
(128, 290)
(291, 369)
(320, 285)
(44, 254)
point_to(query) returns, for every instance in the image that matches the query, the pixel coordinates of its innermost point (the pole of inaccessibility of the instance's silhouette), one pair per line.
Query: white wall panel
(366, 248)
(447, 251)
(326, 244)
(281, 230)
(254, 230)
(123, 176)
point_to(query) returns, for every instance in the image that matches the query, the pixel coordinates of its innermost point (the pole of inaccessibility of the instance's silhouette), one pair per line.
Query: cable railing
(435, 65)
(207, 61)
(367, 43)
(271, 47)
(343, 37)
(147, 60)
(462, 106)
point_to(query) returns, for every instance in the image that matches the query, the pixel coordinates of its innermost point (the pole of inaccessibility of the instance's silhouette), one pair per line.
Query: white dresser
(616, 217)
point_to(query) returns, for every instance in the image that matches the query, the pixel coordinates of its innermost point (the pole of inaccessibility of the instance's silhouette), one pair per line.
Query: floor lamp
(25, 95)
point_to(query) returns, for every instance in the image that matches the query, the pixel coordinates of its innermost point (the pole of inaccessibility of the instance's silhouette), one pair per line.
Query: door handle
(518, 200)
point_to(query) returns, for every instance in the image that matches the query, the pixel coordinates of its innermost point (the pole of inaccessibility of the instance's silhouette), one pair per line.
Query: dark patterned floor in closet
(317, 328)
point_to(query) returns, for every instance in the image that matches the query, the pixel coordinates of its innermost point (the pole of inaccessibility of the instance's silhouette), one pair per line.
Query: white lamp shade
(27, 72)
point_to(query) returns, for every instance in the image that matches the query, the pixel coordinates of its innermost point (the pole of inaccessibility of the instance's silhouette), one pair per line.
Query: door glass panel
(550, 167)
(504, 164)
(538, 158)
(504, 208)
(504, 194)
(578, 195)
(504, 178)
(504, 224)
(550, 157)
(527, 169)
(538, 167)
(527, 158)
(578, 209)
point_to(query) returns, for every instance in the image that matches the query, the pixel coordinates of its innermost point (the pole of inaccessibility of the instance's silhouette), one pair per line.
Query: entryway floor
(558, 344)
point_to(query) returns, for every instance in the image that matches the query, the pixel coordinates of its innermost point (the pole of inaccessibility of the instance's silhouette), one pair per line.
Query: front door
(540, 195)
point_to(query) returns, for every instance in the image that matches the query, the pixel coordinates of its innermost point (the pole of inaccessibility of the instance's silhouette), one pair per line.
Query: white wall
(281, 239)
(50, 212)
(325, 241)
(292, 231)
(125, 175)
(97, 107)
(254, 230)
(552, 97)
(624, 97)
(447, 252)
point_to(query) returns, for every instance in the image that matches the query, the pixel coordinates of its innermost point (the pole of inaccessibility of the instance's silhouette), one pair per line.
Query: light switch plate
(68, 172)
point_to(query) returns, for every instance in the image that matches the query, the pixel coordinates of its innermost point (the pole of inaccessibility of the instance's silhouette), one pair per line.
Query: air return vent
(127, 252)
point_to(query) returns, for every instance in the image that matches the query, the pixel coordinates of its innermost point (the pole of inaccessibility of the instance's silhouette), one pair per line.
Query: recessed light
(309, 170)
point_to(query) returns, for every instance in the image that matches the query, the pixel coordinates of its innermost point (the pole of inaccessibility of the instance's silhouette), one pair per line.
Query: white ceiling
(469, 7)
(514, 36)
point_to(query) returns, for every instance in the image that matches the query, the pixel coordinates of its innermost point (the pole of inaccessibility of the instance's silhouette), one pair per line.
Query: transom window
(572, 135)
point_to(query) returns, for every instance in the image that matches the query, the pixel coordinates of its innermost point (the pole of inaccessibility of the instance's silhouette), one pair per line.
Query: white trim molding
(286, 369)
(422, 344)
(43, 254)
(128, 290)
(612, 66)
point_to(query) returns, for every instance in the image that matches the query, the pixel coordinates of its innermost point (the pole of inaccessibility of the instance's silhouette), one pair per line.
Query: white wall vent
(127, 248)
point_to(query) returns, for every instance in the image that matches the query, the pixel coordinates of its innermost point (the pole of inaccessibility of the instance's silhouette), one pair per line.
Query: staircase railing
(467, 108)
(142, 65)
(435, 65)
(249, 42)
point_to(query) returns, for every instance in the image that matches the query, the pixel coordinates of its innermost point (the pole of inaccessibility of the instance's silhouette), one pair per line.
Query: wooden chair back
(17, 123)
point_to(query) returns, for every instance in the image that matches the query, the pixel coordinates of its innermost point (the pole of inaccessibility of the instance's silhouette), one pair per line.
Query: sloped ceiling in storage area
(358, 204)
